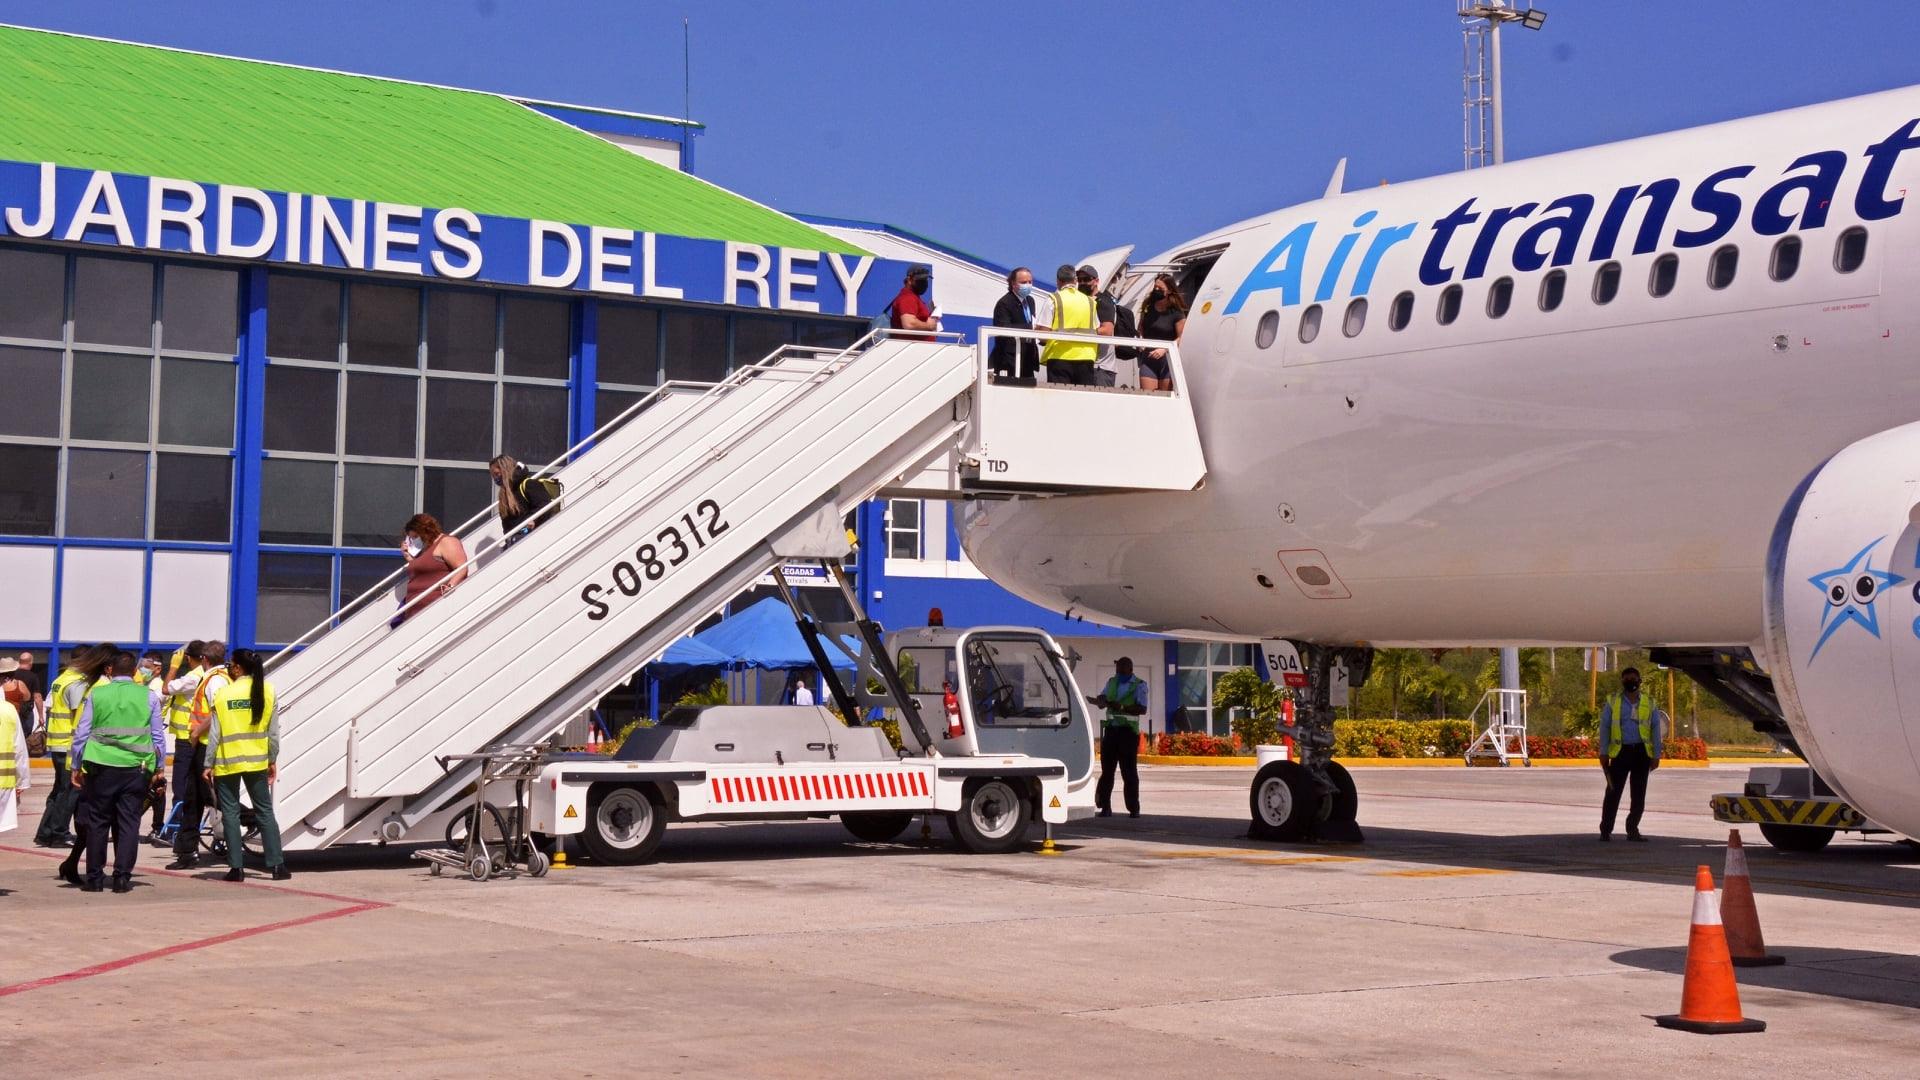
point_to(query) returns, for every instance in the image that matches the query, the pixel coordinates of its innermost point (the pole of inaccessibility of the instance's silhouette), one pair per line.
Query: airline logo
(1593, 227)
(1851, 593)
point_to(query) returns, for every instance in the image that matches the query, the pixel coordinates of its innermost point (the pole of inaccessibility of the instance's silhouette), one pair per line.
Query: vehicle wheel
(493, 828)
(479, 868)
(1284, 802)
(993, 820)
(623, 826)
(1800, 838)
(1344, 806)
(877, 828)
(537, 864)
(434, 869)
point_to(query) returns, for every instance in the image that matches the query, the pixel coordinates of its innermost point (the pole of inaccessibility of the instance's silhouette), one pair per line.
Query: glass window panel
(459, 419)
(534, 421)
(382, 413)
(107, 494)
(696, 346)
(193, 498)
(460, 332)
(1219, 655)
(196, 402)
(29, 482)
(608, 404)
(1553, 289)
(300, 409)
(1499, 297)
(1356, 319)
(629, 345)
(377, 503)
(538, 338)
(1606, 283)
(1786, 258)
(113, 302)
(1850, 251)
(1242, 655)
(1449, 305)
(303, 317)
(1665, 273)
(1722, 267)
(454, 495)
(1401, 313)
(383, 325)
(1266, 330)
(754, 338)
(835, 333)
(200, 309)
(359, 573)
(1191, 654)
(295, 595)
(1310, 324)
(33, 305)
(111, 397)
(296, 501)
(29, 391)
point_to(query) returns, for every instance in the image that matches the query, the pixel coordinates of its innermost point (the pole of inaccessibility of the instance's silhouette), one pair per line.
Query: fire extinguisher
(952, 703)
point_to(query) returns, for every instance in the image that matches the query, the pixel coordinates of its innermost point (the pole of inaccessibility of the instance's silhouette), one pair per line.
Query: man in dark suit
(1015, 311)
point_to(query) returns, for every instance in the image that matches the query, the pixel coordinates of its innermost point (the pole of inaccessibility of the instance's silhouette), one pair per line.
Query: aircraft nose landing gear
(1313, 798)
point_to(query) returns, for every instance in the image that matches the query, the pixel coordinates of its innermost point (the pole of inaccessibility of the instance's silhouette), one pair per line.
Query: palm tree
(1394, 671)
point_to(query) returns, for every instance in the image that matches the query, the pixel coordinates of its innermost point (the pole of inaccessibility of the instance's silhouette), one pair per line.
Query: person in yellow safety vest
(16, 773)
(1070, 362)
(242, 750)
(1632, 732)
(64, 699)
(1125, 699)
(119, 744)
(181, 679)
(206, 678)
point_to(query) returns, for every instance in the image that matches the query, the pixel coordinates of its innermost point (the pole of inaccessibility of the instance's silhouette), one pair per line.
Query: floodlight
(1533, 19)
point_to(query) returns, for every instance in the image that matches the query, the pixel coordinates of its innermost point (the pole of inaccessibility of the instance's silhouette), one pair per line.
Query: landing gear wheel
(1344, 806)
(1285, 802)
(993, 820)
(537, 864)
(623, 827)
(479, 868)
(1804, 839)
(876, 828)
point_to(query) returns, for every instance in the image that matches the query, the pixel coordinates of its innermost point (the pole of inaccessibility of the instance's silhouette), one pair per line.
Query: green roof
(150, 111)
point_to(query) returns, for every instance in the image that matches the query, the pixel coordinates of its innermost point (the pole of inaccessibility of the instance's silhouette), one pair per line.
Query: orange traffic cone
(1709, 999)
(1736, 907)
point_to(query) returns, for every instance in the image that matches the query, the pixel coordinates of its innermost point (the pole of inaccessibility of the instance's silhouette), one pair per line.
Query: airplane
(1657, 393)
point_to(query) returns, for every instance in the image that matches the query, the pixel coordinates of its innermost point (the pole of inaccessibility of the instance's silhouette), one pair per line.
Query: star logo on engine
(1851, 592)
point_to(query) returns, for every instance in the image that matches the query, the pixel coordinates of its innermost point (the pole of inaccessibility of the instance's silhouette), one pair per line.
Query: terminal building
(255, 316)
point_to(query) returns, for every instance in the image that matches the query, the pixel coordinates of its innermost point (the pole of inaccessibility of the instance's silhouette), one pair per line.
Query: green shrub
(1258, 701)
(1401, 738)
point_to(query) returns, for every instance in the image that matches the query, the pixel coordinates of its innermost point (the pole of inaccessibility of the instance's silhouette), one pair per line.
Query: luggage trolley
(482, 840)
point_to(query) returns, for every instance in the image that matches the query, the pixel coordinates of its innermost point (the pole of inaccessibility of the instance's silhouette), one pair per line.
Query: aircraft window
(1269, 329)
(1851, 250)
(1356, 317)
(1310, 324)
(1401, 313)
(1499, 297)
(1786, 258)
(1449, 305)
(1665, 274)
(1553, 289)
(1722, 267)
(1606, 283)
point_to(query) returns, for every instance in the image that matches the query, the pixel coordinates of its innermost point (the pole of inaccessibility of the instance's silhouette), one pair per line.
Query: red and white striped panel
(813, 788)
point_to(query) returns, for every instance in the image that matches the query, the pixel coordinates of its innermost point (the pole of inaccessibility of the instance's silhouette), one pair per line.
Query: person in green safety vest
(243, 749)
(118, 746)
(1632, 731)
(1125, 699)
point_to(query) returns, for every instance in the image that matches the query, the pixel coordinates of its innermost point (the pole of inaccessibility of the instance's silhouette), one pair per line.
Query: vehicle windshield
(1014, 680)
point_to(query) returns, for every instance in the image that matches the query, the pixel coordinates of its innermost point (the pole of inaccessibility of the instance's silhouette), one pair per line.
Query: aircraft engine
(1843, 623)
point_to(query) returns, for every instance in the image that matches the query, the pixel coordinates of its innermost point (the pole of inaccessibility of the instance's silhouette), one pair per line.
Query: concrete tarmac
(1480, 931)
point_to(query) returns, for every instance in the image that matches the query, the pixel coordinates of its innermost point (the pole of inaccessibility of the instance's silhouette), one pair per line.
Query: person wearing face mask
(1013, 359)
(1070, 362)
(910, 309)
(1632, 731)
(1163, 319)
(436, 562)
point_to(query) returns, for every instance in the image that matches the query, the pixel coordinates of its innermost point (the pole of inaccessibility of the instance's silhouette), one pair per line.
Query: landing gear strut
(1312, 798)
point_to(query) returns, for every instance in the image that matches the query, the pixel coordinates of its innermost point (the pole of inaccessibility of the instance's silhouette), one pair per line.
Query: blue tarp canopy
(764, 636)
(688, 653)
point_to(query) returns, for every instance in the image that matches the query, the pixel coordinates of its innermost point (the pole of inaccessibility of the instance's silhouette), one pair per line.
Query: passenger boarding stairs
(668, 512)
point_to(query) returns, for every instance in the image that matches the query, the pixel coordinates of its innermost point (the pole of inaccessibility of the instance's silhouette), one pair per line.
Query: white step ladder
(1504, 738)
(667, 513)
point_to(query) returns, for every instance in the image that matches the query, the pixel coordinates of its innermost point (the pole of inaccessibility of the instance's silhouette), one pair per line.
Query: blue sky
(1037, 132)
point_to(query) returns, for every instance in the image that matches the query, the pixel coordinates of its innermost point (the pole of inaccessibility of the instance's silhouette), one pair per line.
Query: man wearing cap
(1070, 362)
(16, 773)
(1125, 699)
(910, 308)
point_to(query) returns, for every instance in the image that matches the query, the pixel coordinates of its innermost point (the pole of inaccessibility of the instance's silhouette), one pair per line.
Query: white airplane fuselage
(1592, 473)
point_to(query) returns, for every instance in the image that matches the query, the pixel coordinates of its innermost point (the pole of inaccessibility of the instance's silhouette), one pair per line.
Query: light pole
(1480, 23)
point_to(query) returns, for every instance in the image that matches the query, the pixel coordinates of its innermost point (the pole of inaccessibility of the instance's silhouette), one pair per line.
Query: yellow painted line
(1205, 854)
(1463, 871)
(1258, 858)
